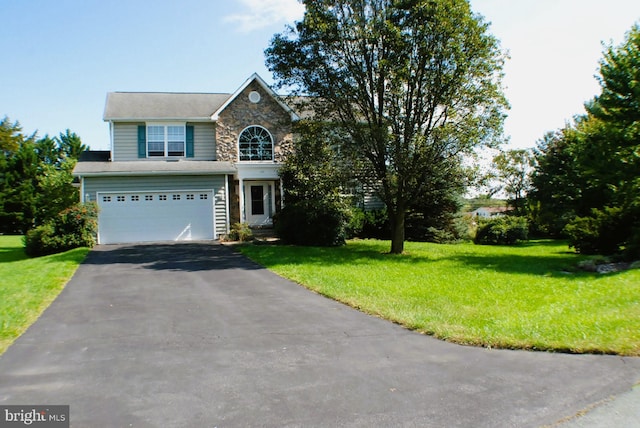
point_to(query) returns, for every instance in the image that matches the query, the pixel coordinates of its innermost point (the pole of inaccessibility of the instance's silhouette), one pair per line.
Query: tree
(613, 151)
(35, 176)
(512, 171)
(557, 186)
(315, 212)
(10, 136)
(432, 215)
(587, 173)
(55, 190)
(71, 145)
(413, 84)
(20, 189)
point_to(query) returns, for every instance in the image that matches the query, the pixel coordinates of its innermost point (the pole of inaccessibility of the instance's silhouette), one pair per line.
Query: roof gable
(254, 78)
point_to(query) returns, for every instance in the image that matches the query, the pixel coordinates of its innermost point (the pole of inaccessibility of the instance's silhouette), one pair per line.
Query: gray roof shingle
(162, 105)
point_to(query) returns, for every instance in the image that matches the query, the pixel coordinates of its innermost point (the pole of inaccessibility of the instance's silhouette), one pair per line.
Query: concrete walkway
(195, 335)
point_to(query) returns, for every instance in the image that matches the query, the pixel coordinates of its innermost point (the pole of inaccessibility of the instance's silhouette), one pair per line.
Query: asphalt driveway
(195, 335)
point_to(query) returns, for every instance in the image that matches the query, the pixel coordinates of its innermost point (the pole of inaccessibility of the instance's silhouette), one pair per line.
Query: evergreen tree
(587, 175)
(35, 176)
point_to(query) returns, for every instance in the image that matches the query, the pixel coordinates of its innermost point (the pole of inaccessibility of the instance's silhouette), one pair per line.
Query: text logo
(34, 416)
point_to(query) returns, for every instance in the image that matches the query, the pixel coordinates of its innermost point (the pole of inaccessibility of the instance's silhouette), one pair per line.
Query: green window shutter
(142, 141)
(189, 141)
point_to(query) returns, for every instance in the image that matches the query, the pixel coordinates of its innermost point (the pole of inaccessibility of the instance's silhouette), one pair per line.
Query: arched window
(255, 144)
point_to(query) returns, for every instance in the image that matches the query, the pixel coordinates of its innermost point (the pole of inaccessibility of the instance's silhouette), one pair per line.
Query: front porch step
(264, 233)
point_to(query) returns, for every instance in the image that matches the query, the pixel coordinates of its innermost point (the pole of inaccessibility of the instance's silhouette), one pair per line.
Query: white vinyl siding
(125, 136)
(216, 183)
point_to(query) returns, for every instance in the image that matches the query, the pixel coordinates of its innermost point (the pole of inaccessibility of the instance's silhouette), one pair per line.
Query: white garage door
(155, 216)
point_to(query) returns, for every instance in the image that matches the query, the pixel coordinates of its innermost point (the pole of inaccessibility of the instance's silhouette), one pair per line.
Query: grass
(529, 296)
(28, 286)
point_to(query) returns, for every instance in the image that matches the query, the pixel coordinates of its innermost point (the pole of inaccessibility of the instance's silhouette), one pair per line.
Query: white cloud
(262, 13)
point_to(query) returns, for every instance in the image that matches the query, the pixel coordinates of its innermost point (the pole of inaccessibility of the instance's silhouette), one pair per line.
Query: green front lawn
(28, 286)
(529, 296)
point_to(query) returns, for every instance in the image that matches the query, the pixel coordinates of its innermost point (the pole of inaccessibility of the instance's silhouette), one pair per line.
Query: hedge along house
(185, 166)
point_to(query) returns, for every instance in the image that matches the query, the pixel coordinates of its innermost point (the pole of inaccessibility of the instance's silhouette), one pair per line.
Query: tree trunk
(397, 232)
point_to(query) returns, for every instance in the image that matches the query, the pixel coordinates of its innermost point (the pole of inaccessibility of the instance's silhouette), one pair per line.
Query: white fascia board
(148, 173)
(258, 171)
(159, 119)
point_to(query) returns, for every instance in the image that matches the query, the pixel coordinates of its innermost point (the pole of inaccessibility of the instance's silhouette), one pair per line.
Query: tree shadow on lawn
(564, 266)
(352, 254)
(563, 263)
(12, 254)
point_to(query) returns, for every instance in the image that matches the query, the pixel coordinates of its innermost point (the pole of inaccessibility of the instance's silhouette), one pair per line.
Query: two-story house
(185, 166)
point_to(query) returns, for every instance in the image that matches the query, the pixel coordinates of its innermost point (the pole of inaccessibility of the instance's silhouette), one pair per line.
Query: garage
(183, 215)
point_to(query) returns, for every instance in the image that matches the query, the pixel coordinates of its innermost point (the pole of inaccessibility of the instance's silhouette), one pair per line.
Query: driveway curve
(196, 335)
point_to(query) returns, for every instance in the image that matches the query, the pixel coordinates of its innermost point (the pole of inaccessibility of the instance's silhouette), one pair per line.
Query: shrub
(503, 230)
(632, 250)
(604, 232)
(446, 229)
(314, 222)
(240, 232)
(465, 227)
(72, 228)
(373, 224)
(356, 223)
(376, 224)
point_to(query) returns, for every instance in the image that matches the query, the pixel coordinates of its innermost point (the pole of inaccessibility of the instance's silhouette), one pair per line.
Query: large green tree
(35, 176)
(558, 190)
(613, 132)
(590, 170)
(413, 84)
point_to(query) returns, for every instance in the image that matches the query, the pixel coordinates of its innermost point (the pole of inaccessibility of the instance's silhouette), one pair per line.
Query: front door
(257, 203)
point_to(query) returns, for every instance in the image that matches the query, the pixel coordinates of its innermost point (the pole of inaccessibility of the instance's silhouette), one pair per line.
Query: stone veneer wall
(242, 113)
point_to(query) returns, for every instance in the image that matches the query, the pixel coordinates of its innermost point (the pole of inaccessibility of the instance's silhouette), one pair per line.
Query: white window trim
(166, 138)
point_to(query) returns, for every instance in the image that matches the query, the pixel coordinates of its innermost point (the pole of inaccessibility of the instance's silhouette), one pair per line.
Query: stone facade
(242, 112)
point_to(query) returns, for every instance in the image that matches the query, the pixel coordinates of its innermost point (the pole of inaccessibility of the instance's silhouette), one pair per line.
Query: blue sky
(60, 58)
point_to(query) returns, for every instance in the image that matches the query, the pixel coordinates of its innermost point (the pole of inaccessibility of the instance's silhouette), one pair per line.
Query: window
(165, 140)
(176, 197)
(257, 200)
(148, 197)
(203, 196)
(120, 198)
(106, 199)
(190, 197)
(255, 144)
(162, 197)
(135, 198)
